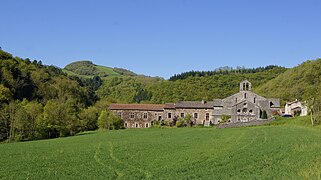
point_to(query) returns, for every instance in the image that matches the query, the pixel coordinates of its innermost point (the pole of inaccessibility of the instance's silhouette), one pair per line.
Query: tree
(4, 55)
(89, 118)
(109, 121)
(5, 94)
(34, 111)
(187, 119)
(103, 120)
(313, 100)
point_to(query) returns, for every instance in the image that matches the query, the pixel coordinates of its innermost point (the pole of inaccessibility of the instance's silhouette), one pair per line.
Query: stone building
(244, 106)
(201, 112)
(296, 107)
(138, 115)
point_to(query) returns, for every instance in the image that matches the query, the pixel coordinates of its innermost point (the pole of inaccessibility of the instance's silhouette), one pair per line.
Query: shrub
(225, 118)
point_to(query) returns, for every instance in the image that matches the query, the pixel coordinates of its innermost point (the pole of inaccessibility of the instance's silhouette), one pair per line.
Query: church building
(244, 106)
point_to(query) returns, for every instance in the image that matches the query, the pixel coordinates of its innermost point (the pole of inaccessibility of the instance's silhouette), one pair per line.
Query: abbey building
(244, 106)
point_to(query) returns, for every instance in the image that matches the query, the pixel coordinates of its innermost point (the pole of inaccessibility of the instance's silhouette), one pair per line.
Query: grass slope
(87, 69)
(107, 70)
(286, 149)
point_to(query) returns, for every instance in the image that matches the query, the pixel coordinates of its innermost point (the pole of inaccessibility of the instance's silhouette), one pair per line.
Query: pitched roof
(169, 106)
(143, 107)
(195, 104)
(217, 102)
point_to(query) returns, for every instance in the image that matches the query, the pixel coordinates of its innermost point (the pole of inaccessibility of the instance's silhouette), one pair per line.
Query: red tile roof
(144, 107)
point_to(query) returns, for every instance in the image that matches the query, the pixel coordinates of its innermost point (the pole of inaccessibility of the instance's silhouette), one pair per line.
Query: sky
(163, 37)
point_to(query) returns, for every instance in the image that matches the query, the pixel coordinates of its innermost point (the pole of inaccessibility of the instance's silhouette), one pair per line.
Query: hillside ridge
(86, 68)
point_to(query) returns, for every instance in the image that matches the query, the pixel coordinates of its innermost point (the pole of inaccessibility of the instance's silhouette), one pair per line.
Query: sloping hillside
(295, 83)
(88, 69)
(192, 88)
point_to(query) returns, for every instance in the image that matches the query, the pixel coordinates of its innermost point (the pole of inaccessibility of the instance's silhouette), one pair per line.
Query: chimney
(203, 102)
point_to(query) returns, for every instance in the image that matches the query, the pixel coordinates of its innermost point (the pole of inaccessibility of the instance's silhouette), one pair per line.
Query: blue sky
(163, 37)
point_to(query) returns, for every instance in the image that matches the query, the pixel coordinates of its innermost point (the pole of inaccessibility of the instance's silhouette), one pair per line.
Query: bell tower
(245, 86)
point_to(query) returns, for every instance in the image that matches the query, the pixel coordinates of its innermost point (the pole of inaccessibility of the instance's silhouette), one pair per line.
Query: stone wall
(138, 118)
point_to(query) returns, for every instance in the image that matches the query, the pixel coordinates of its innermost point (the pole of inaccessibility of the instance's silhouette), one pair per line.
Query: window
(236, 100)
(159, 118)
(136, 125)
(251, 111)
(119, 114)
(132, 115)
(254, 100)
(126, 125)
(145, 115)
(182, 115)
(245, 96)
(207, 116)
(195, 115)
(146, 125)
(169, 115)
(271, 104)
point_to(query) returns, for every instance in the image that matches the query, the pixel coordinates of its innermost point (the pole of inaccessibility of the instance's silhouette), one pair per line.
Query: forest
(39, 101)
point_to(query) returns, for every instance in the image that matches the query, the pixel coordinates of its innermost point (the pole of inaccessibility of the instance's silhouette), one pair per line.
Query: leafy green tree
(89, 118)
(313, 99)
(4, 55)
(5, 94)
(34, 111)
(109, 121)
(188, 119)
(103, 120)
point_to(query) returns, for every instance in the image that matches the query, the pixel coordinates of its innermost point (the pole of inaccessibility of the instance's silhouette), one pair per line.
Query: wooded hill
(39, 101)
(296, 83)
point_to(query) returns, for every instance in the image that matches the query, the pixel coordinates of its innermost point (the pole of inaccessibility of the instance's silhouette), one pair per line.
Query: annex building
(244, 106)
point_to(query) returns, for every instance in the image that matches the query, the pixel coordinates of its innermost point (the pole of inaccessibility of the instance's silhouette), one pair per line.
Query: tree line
(223, 71)
(39, 101)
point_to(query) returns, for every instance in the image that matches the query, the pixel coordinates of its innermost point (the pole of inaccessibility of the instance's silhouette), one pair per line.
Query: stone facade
(244, 106)
(296, 106)
(138, 115)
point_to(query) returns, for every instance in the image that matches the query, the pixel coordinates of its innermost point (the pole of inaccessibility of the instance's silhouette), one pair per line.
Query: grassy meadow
(286, 149)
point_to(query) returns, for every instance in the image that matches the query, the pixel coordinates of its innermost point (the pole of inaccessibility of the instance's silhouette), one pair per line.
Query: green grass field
(287, 149)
